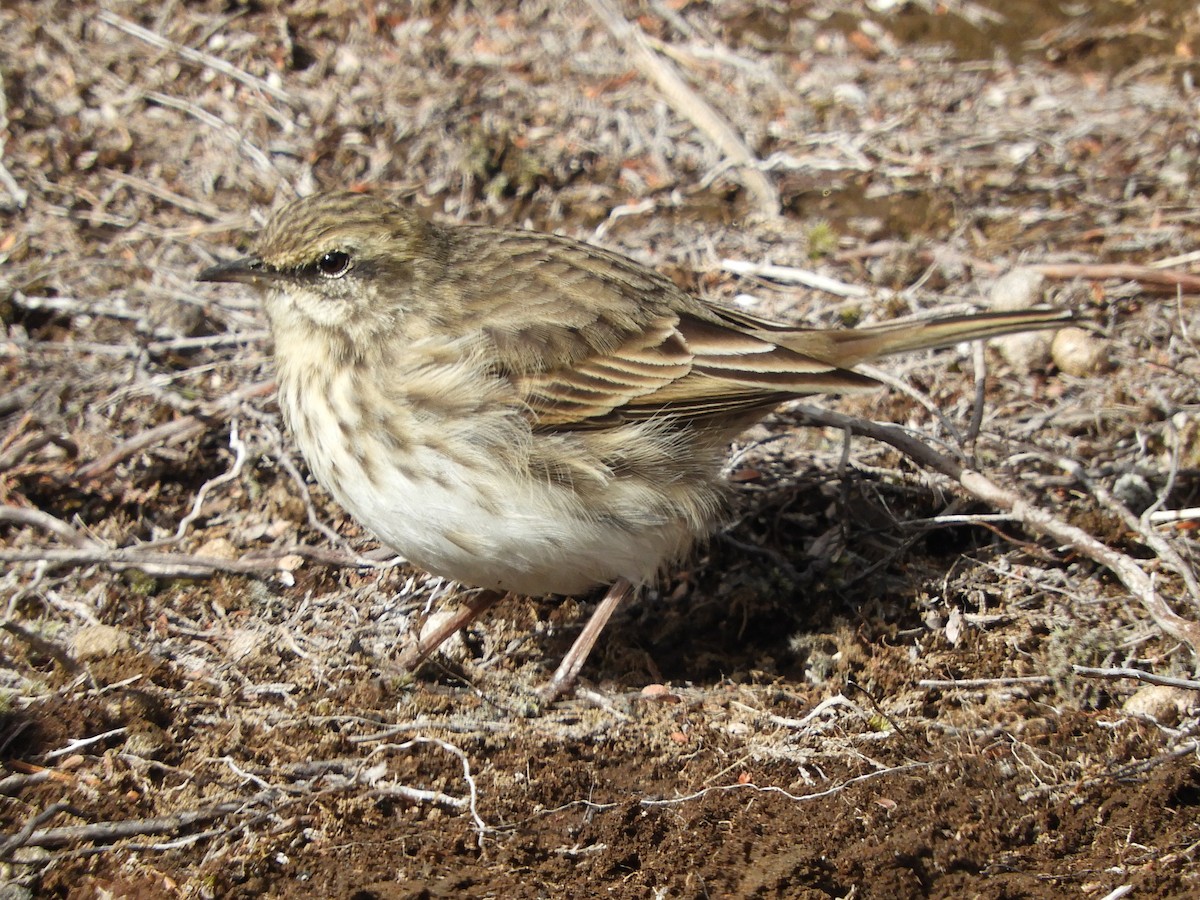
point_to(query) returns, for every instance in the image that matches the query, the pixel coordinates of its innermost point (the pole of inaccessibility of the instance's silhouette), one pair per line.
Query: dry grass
(871, 682)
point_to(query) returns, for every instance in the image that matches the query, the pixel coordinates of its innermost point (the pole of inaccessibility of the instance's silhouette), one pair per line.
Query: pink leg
(418, 651)
(568, 669)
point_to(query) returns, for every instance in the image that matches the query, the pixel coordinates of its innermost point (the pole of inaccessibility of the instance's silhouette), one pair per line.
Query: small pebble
(1134, 491)
(1164, 704)
(1014, 290)
(1078, 352)
(218, 548)
(99, 642)
(245, 643)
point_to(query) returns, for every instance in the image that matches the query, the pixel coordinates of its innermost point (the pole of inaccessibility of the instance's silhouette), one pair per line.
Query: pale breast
(443, 468)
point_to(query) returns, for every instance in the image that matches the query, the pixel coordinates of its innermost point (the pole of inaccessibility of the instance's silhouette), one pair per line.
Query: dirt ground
(877, 681)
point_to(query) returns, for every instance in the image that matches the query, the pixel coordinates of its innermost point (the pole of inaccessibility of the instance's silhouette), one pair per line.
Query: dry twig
(194, 56)
(159, 565)
(691, 106)
(1138, 675)
(109, 832)
(176, 430)
(979, 485)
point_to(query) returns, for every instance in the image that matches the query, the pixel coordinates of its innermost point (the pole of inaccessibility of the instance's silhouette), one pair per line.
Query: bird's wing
(590, 338)
(677, 367)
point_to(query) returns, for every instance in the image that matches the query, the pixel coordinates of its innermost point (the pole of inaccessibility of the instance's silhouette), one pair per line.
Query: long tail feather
(846, 348)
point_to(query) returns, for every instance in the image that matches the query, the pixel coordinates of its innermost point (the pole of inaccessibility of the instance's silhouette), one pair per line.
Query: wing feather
(680, 367)
(589, 338)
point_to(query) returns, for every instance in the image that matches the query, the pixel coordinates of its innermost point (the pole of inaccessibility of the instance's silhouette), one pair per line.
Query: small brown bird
(524, 412)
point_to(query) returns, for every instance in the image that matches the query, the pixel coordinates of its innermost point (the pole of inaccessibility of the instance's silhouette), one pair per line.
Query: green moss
(822, 239)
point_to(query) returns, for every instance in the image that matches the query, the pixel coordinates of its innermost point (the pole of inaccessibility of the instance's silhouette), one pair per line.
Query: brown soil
(838, 697)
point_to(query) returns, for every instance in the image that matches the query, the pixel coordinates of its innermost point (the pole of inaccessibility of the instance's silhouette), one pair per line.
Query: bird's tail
(848, 347)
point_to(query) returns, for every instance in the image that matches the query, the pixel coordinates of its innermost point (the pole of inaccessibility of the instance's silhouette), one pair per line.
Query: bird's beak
(247, 270)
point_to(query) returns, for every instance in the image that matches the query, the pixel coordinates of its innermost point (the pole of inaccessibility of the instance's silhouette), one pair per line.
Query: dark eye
(334, 264)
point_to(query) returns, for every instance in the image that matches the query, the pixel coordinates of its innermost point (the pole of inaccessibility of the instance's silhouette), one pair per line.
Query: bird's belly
(494, 529)
(442, 466)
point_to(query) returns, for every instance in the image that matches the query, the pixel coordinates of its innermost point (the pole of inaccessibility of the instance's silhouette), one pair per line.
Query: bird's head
(338, 262)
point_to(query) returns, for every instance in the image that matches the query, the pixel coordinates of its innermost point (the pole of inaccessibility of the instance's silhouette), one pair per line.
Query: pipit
(523, 412)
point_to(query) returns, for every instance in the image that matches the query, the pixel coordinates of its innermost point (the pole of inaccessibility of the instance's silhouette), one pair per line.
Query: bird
(527, 413)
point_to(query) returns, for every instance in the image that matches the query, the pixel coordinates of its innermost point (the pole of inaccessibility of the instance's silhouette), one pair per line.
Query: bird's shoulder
(545, 301)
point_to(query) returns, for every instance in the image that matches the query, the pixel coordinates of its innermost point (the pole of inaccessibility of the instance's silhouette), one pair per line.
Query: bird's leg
(568, 669)
(418, 651)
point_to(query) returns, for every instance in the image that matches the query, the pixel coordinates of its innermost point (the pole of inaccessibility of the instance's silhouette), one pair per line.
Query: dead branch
(18, 450)
(239, 450)
(1140, 527)
(1139, 584)
(471, 802)
(195, 56)
(805, 277)
(690, 105)
(1155, 276)
(40, 645)
(1137, 675)
(971, 683)
(158, 565)
(109, 832)
(177, 430)
(1126, 271)
(19, 515)
(774, 789)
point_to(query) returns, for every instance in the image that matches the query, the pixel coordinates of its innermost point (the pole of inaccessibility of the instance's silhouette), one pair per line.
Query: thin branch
(195, 56)
(1139, 584)
(1167, 516)
(41, 645)
(159, 565)
(146, 186)
(253, 153)
(1138, 675)
(805, 277)
(1127, 271)
(966, 683)
(76, 744)
(19, 515)
(111, 832)
(690, 105)
(1140, 527)
(239, 450)
(472, 799)
(772, 789)
(178, 430)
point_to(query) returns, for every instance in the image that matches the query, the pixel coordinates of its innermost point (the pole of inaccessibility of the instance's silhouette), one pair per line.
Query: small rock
(955, 626)
(245, 643)
(1026, 352)
(1134, 491)
(849, 94)
(659, 693)
(1165, 705)
(346, 62)
(290, 563)
(1016, 289)
(98, 642)
(218, 548)
(147, 742)
(1078, 352)
(1020, 289)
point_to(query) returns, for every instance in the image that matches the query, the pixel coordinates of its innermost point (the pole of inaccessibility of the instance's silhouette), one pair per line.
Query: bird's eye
(334, 264)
